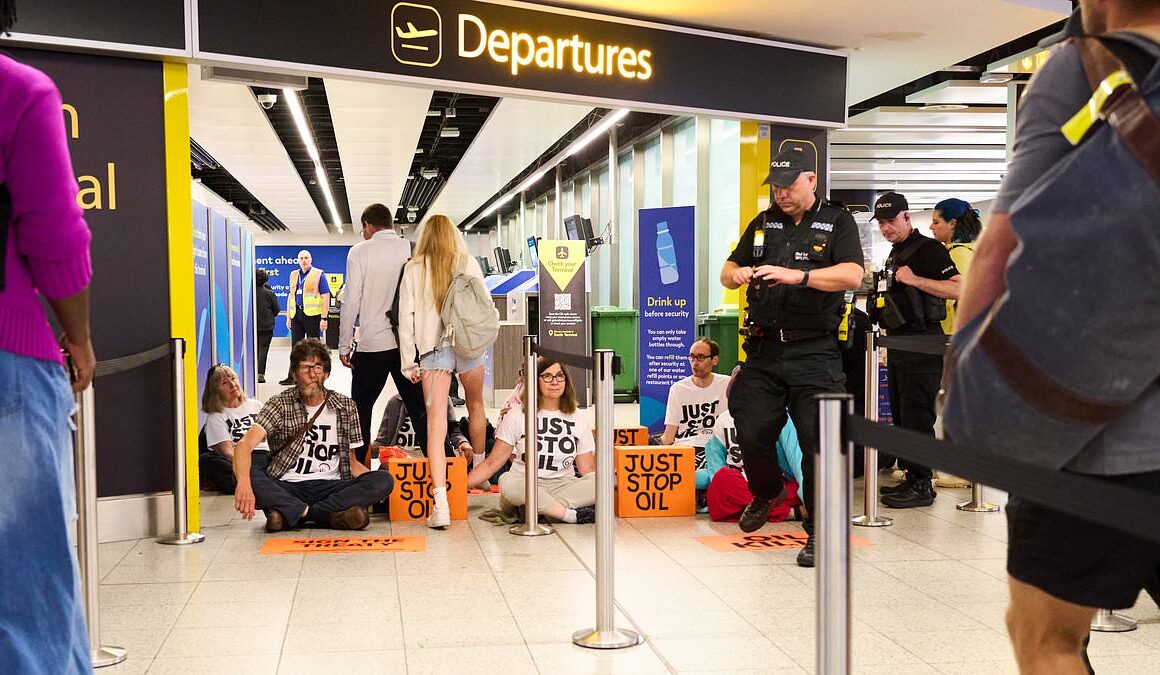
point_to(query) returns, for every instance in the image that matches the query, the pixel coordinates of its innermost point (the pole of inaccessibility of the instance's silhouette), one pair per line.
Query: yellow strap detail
(1077, 127)
(844, 326)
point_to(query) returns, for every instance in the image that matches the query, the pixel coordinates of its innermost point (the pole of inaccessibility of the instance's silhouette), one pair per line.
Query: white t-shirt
(725, 431)
(319, 458)
(560, 439)
(232, 423)
(694, 410)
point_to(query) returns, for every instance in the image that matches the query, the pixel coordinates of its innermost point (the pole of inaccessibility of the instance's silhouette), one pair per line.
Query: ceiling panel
(910, 116)
(226, 120)
(966, 92)
(924, 151)
(517, 132)
(377, 127)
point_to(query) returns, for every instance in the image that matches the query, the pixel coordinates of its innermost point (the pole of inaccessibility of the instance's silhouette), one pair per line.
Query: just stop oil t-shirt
(319, 458)
(231, 424)
(560, 438)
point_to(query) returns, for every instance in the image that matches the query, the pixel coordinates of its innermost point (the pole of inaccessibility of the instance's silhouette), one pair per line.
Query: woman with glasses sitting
(567, 452)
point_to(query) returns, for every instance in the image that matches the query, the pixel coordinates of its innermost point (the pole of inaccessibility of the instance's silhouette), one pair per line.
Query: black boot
(913, 494)
(756, 515)
(806, 555)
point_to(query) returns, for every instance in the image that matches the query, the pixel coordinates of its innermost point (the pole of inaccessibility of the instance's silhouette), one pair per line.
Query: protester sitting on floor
(398, 430)
(566, 448)
(312, 476)
(229, 415)
(728, 489)
(696, 402)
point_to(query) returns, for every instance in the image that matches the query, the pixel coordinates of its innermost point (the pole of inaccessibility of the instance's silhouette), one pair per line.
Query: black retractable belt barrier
(583, 361)
(1086, 497)
(935, 345)
(124, 363)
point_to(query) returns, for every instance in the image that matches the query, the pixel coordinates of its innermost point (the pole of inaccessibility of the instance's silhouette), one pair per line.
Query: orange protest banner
(345, 545)
(630, 436)
(759, 541)
(655, 480)
(411, 497)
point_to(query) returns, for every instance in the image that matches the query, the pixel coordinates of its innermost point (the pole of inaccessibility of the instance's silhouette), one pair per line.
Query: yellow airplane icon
(413, 33)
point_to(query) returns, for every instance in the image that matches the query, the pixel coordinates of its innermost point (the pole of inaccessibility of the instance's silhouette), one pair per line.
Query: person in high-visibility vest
(307, 303)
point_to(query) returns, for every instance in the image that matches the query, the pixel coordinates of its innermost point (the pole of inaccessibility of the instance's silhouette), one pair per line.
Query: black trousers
(264, 338)
(913, 385)
(777, 375)
(369, 371)
(324, 497)
(302, 327)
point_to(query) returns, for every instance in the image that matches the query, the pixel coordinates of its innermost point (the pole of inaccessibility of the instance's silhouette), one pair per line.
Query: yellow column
(754, 196)
(181, 299)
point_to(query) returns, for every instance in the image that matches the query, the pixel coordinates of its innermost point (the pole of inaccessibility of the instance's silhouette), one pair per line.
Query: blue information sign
(667, 283)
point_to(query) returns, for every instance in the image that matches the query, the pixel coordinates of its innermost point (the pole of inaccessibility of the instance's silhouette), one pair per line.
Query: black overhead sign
(117, 24)
(515, 48)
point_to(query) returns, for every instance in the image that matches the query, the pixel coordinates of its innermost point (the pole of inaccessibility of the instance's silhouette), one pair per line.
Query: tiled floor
(928, 597)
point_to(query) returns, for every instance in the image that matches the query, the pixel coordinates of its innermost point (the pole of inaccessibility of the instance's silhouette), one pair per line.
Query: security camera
(412, 216)
(267, 101)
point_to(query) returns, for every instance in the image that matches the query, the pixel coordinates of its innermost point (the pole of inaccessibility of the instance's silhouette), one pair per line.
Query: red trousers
(729, 494)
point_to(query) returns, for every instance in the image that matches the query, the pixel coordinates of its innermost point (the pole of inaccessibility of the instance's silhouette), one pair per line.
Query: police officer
(798, 257)
(919, 277)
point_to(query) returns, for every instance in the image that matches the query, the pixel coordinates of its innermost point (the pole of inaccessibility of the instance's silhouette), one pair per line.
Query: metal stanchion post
(835, 460)
(978, 503)
(1107, 621)
(605, 635)
(84, 449)
(870, 517)
(531, 526)
(181, 534)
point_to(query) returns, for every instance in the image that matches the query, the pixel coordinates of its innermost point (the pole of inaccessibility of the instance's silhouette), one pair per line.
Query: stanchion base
(613, 639)
(1113, 622)
(191, 538)
(522, 530)
(978, 507)
(108, 656)
(876, 521)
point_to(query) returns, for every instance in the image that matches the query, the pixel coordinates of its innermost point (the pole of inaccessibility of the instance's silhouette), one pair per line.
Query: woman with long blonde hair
(426, 354)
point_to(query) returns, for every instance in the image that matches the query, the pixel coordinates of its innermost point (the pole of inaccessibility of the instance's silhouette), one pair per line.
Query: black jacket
(266, 304)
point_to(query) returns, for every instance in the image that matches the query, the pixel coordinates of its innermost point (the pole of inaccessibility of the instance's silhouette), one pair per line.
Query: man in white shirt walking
(373, 270)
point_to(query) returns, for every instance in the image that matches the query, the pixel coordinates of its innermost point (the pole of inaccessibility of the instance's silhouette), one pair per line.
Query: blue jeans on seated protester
(445, 358)
(42, 623)
(290, 498)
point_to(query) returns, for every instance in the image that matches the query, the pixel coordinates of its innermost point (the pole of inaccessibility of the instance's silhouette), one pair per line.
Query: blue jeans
(42, 623)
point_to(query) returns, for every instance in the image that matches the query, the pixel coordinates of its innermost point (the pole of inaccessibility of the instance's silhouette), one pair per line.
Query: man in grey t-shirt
(1062, 567)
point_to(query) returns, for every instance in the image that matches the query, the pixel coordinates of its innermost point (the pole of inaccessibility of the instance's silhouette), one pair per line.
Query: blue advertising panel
(667, 283)
(250, 381)
(280, 261)
(201, 299)
(237, 317)
(220, 283)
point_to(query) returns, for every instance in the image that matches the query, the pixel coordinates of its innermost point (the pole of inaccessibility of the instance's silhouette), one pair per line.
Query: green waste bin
(721, 327)
(615, 328)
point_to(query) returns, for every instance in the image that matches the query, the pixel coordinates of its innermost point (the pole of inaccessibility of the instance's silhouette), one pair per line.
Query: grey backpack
(1074, 343)
(470, 318)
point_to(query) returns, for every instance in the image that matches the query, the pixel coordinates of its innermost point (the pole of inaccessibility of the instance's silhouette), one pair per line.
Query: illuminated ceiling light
(596, 132)
(996, 78)
(418, 151)
(299, 116)
(429, 172)
(449, 132)
(433, 112)
(449, 113)
(943, 107)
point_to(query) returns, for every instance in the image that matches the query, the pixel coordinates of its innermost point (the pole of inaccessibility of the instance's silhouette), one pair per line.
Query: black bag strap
(906, 252)
(304, 428)
(5, 218)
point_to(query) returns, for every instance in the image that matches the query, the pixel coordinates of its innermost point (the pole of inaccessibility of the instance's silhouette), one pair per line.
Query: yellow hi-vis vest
(311, 299)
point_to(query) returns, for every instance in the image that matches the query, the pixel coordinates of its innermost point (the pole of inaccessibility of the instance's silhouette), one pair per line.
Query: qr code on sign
(563, 303)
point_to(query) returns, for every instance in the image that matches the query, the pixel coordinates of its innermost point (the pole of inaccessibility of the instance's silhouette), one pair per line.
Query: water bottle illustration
(667, 255)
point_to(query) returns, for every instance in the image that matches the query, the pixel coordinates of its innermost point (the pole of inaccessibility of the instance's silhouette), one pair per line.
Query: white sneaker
(439, 519)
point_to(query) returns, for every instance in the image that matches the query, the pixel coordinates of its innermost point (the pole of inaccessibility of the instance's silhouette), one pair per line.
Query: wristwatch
(805, 278)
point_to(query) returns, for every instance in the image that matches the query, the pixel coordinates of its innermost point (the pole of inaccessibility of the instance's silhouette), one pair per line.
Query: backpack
(470, 318)
(1064, 352)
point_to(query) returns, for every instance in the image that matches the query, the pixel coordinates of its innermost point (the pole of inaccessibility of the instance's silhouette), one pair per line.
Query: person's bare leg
(436, 384)
(472, 382)
(1047, 633)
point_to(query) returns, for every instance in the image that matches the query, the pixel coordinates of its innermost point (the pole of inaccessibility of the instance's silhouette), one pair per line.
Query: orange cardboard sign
(762, 541)
(411, 496)
(345, 545)
(630, 436)
(655, 480)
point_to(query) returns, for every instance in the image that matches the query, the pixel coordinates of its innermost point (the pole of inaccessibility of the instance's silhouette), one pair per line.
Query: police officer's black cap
(787, 166)
(889, 205)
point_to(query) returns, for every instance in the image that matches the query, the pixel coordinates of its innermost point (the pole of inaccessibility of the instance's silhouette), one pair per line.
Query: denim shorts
(445, 358)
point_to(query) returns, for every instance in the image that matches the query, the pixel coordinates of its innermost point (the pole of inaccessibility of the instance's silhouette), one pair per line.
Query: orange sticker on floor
(762, 542)
(345, 545)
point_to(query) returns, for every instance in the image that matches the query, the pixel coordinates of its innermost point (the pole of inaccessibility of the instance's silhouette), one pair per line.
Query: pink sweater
(48, 240)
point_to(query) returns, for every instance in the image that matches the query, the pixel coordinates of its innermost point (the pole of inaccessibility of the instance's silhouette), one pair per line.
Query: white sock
(439, 494)
(570, 516)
